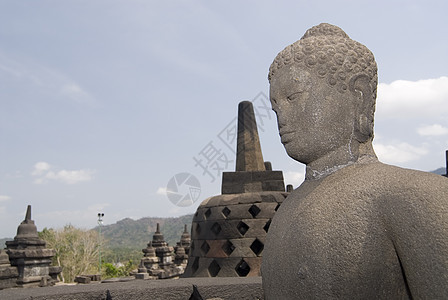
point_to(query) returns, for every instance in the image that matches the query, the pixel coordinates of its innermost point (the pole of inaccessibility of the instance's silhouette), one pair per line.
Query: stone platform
(225, 288)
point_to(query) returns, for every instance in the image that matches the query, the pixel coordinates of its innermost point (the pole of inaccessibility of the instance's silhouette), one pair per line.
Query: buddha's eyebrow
(300, 88)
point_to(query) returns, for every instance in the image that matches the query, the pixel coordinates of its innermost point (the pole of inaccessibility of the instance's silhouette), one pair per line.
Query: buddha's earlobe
(360, 87)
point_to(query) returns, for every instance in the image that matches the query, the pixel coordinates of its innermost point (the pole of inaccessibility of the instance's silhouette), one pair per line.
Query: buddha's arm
(417, 217)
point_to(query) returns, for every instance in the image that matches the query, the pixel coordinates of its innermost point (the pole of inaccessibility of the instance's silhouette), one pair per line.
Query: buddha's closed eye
(294, 96)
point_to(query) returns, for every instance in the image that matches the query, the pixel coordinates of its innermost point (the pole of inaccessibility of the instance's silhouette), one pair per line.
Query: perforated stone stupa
(229, 230)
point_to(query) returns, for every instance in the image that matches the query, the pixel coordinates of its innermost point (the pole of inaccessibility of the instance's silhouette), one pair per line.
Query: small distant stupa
(161, 261)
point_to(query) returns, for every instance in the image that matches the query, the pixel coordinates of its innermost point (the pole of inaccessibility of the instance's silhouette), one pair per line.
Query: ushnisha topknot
(330, 53)
(325, 29)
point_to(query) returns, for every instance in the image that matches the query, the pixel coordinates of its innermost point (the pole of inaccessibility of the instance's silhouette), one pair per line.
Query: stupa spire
(28, 213)
(248, 152)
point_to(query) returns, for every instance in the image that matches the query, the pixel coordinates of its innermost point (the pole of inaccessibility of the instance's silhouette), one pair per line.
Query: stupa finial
(248, 152)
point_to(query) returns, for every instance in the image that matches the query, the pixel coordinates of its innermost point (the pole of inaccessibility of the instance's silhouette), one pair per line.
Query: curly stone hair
(329, 52)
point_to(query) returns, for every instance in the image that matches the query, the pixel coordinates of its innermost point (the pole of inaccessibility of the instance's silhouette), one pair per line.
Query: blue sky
(103, 102)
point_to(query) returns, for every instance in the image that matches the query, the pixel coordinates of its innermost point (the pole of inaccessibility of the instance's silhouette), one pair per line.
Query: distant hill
(126, 238)
(137, 233)
(439, 171)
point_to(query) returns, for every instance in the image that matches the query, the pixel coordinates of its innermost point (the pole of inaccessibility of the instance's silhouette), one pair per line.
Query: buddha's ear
(361, 89)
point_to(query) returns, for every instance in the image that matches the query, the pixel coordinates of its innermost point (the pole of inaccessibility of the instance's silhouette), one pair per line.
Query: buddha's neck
(344, 156)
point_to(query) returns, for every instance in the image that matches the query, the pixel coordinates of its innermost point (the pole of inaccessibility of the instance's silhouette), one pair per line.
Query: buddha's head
(323, 90)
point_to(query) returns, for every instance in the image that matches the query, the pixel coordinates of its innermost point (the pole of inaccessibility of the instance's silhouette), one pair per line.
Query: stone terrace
(219, 288)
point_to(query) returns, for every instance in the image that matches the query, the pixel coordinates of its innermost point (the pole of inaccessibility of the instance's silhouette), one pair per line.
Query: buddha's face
(313, 118)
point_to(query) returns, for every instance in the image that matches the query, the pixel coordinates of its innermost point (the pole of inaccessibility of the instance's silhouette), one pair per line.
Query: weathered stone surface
(31, 253)
(181, 289)
(185, 240)
(88, 278)
(227, 229)
(83, 279)
(249, 156)
(4, 259)
(7, 282)
(53, 272)
(254, 181)
(8, 274)
(27, 253)
(232, 199)
(356, 228)
(159, 261)
(143, 276)
(240, 211)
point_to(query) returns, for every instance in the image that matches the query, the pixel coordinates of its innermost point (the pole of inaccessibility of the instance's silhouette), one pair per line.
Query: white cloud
(44, 173)
(4, 198)
(399, 153)
(40, 168)
(409, 99)
(432, 130)
(161, 191)
(294, 178)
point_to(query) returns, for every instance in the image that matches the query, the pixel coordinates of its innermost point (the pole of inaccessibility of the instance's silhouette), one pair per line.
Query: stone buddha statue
(356, 228)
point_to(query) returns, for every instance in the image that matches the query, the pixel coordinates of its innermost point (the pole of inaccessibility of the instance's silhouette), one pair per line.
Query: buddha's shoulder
(395, 179)
(394, 173)
(377, 178)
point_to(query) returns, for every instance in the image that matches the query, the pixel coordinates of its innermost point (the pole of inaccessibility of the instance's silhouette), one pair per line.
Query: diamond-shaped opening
(208, 213)
(226, 211)
(276, 208)
(195, 265)
(214, 268)
(257, 247)
(254, 210)
(228, 247)
(216, 228)
(242, 268)
(198, 228)
(205, 247)
(266, 226)
(242, 227)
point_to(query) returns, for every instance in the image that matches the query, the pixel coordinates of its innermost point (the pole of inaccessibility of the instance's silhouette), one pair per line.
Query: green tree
(111, 270)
